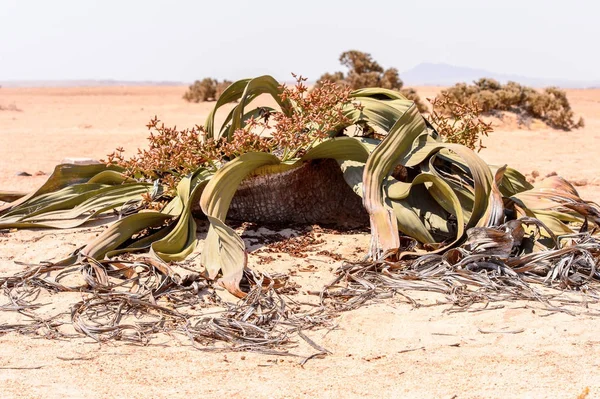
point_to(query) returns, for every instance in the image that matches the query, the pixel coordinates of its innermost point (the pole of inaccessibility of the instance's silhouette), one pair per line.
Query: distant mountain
(85, 83)
(425, 74)
(428, 74)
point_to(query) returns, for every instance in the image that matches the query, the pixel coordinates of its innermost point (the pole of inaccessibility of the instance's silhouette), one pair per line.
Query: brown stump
(313, 193)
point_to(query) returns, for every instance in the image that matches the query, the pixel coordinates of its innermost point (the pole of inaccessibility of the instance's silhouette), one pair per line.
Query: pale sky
(185, 40)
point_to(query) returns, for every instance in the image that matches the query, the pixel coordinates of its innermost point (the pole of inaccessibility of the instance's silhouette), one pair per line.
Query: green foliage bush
(364, 71)
(207, 89)
(550, 105)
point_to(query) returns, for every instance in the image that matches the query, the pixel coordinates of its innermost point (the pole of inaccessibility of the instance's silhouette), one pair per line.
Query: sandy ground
(388, 350)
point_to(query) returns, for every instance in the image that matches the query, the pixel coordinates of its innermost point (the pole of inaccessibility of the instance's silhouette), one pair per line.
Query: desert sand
(387, 349)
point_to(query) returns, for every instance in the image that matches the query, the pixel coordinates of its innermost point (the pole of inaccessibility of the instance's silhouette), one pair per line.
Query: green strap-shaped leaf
(97, 201)
(340, 148)
(111, 177)
(378, 113)
(170, 242)
(479, 170)
(64, 175)
(494, 214)
(230, 94)
(245, 91)
(121, 231)
(353, 175)
(409, 221)
(68, 211)
(513, 182)
(553, 223)
(143, 243)
(397, 143)
(181, 240)
(378, 93)
(260, 85)
(77, 191)
(556, 201)
(223, 249)
(459, 180)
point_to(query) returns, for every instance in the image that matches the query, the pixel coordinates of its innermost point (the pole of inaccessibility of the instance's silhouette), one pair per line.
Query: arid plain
(387, 349)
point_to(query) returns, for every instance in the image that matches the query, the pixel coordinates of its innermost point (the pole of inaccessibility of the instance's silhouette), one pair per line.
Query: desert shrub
(488, 84)
(9, 107)
(336, 77)
(391, 80)
(550, 105)
(359, 81)
(487, 100)
(207, 89)
(359, 62)
(364, 71)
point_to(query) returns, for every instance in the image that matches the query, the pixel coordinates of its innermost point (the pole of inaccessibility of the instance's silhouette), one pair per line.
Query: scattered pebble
(580, 183)
(23, 174)
(552, 174)
(535, 174)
